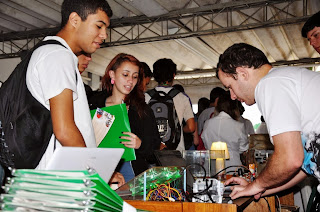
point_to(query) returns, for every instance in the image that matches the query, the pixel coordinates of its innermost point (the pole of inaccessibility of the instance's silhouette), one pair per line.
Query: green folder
(120, 124)
(59, 191)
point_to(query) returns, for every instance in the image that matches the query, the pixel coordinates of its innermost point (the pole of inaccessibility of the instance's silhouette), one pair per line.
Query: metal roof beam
(192, 21)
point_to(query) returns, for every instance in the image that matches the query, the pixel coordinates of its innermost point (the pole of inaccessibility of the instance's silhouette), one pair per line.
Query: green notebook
(108, 127)
(60, 191)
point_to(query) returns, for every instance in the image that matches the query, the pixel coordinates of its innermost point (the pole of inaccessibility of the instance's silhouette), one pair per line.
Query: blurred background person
(262, 129)
(203, 103)
(248, 127)
(83, 63)
(164, 71)
(209, 112)
(225, 127)
(311, 30)
(187, 136)
(147, 75)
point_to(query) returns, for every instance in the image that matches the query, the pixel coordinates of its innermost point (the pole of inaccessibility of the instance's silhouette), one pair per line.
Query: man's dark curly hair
(164, 70)
(83, 8)
(312, 22)
(240, 55)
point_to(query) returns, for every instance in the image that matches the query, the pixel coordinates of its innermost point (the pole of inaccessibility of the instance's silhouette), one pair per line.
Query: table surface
(242, 204)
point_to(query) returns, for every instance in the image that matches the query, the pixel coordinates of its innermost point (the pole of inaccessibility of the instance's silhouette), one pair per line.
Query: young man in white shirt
(164, 71)
(53, 77)
(311, 31)
(287, 97)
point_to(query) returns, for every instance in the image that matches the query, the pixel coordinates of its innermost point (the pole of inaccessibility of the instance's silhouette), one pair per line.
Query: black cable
(239, 166)
(206, 190)
(267, 203)
(200, 199)
(232, 171)
(208, 193)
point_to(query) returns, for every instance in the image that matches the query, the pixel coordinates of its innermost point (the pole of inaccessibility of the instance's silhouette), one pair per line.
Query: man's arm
(295, 180)
(190, 126)
(64, 127)
(242, 182)
(282, 167)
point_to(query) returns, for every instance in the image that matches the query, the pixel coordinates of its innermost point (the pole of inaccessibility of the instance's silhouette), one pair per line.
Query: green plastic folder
(44, 190)
(119, 125)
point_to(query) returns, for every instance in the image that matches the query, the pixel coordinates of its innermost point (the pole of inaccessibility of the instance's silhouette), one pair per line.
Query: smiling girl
(122, 82)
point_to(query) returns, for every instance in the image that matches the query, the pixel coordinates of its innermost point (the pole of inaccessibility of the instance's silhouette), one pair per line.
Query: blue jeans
(127, 171)
(193, 147)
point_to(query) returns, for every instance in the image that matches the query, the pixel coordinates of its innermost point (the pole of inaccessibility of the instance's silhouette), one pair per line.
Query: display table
(242, 204)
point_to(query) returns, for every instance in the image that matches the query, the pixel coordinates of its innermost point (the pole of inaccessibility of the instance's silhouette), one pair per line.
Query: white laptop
(103, 160)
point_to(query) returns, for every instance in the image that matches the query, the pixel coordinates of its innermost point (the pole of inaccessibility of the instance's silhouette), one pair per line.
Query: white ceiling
(193, 33)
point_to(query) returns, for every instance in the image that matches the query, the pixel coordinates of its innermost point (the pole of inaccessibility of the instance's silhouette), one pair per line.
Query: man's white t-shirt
(182, 106)
(288, 99)
(53, 68)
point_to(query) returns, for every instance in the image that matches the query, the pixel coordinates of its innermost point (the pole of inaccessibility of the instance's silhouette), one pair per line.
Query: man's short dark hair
(216, 93)
(146, 70)
(83, 8)
(241, 55)
(164, 70)
(312, 22)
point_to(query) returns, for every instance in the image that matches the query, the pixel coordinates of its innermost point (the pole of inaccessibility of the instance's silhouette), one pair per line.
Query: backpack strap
(152, 92)
(47, 42)
(173, 92)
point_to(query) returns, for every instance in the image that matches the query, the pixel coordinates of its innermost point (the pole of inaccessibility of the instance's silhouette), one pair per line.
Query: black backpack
(166, 116)
(25, 124)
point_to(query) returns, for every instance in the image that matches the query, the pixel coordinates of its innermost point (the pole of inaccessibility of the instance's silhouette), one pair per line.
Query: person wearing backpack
(170, 106)
(53, 80)
(53, 77)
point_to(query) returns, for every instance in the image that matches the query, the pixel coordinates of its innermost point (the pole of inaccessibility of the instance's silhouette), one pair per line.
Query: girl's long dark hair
(136, 96)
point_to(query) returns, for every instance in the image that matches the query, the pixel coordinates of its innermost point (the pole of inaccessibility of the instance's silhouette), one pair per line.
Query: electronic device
(208, 190)
(102, 160)
(149, 180)
(262, 156)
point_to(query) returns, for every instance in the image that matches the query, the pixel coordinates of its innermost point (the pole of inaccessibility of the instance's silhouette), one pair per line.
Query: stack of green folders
(43, 190)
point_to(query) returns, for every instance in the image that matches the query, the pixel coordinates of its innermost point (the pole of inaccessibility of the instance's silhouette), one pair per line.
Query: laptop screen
(102, 160)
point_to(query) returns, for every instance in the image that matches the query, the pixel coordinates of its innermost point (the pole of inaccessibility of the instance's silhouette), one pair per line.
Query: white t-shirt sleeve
(188, 113)
(277, 101)
(147, 97)
(55, 77)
